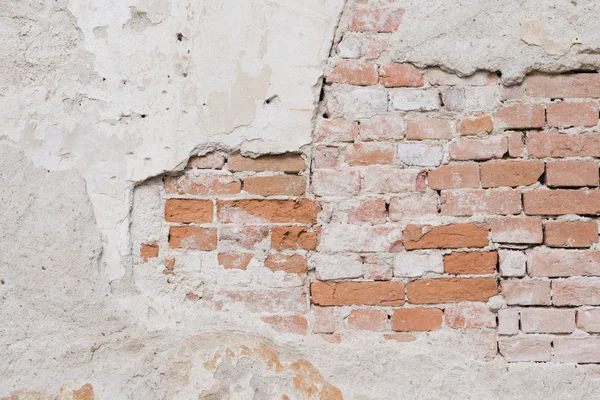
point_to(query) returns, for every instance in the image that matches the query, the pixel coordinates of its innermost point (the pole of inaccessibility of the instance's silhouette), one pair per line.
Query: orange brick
(357, 293)
(148, 251)
(521, 116)
(264, 211)
(235, 261)
(572, 114)
(280, 185)
(510, 173)
(368, 320)
(572, 173)
(570, 234)
(557, 202)
(294, 237)
(450, 290)
(476, 125)
(478, 201)
(517, 230)
(428, 128)
(476, 262)
(457, 176)
(447, 236)
(582, 85)
(354, 73)
(417, 319)
(204, 184)
(559, 145)
(376, 20)
(186, 211)
(291, 163)
(369, 154)
(400, 75)
(290, 264)
(193, 238)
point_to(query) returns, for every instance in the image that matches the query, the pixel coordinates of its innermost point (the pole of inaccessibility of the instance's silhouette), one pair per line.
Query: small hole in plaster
(325, 115)
(180, 36)
(143, 115)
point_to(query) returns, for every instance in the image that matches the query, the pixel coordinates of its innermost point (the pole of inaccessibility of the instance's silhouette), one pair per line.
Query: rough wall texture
(299, 199)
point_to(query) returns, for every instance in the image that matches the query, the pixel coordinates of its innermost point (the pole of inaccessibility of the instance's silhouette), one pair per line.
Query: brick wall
(423, 196)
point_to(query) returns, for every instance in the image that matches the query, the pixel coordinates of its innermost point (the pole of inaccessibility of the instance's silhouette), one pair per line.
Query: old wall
(412, 224)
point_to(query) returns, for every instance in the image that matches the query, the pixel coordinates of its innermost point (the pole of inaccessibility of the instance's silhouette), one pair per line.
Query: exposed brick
(576, 292)
(193, 238)
(558, 145)
(508, 321)
(186, 211)
(382, 127)
(378, 267)
(450, 290)
(400, 337)
(558, 202)
(376, 20)
(528, 292)
(208, 161)
(525, 348)
(384, 180)
(478, 149)
(357, 293)
(361, 238)
(516, 147)
(510, 173)
(400, 75)
(354, 73)
(469, 315)
(520, 116)
(336, 130)
(417, 319)
(335, 183)
(446, 236)
(294, 237)
(411, 99)
(279, 185)
(374, 46)
(290, 264)
(369, 154)
(362, 211)
(413, 206)
(572, 114)
(517, 230)
(415, 265)
(337, 266)
(457, 176)
(368, 320)
(572, 173)
(570, 234)
(203, 184)
(290, 163)
(476, 125)
(295, 324)
(468, 202)
(235, 261)
(476, 262)
(246, 237)
(325, 157)
(547, 320)
(323, 319)
(356, 101)
(148, 251)
(589, 320)
(576, 350)
(438, 77)
(264, 211)
(512, 263)
(561, 86)
(420, 154)
(288, 300)
(428, 128)
(557, 263)
(469, 99)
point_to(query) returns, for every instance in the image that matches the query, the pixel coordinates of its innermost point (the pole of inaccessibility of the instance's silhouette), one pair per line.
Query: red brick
(576, 350)
(279, 185)
(526, 292)
(520, 116)
(478, 201)
(336, 130)
(576, 293)
(325, 157)
(290, 264)
(510, 173)
(205, 184)
(234, 260)
(547, 320)
(186, 211)
(469, 316)
(335, 183)
(572, 114)
(246, 237)
(558, 202)
(413, 206)
(559, 145)
(456, 176)
(589, 320)
(417, 319)
(478, 149)
(291, 163)
(517, 230)
(295, 324)
(368, 320)
(557, 263)
(572, 173)
(376, 20)
(428, 128)
(562, 86)
(525, 348)
(193, 238)
(476, 125)
(570, 234)
(476, 262)
(387, 179)
(208, 161)
(382, 127)
(263, 211)
(400, 75)
(294, 237)
(450, 290)
(357, 293)
(369, 154)
(446, 236)
(516, 147)
(148, 251)
(354, 73)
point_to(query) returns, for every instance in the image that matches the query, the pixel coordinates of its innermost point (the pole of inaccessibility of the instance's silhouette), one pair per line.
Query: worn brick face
(570, 234)
(572, 114)
(280, 185)
(572, 173)
(193, 238)
(447, 236)
(476, 262)
(521, 116)
(354, 73)
(428, 128)
(400, 75)
(357, 293)
(376, 20)
(450, 290)
(510, 173)
(291, 163)
(256, 211)
(417, 319)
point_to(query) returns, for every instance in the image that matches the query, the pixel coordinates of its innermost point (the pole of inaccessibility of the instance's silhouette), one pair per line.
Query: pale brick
(358, 238)
(456, 176)
(478, 149)
(572, 173)
(357, 101)
(517, 230)
(468, 202)
(428, 128)
(576, 292)
(413, 206)
(352, 211)
(323, 319)
(508, 321)
(337, 266)
(570, 233)
(589, 320)
(577, 350)
(335, 183)
(516, 147)
(572, 114)
(547, 320)
(469, 316)
(471, 98)
(519, 349)
(325, 157)
(557, 263)
(415, 264)
(512, 263)
(386, 180)
(382, 127)
(530, 292)
(336, 130)
(408, 99)
(520, 116)
(420, 154)
(437, 77)
(369, 320)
